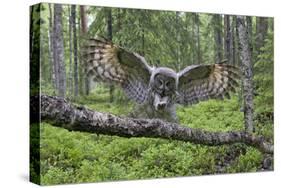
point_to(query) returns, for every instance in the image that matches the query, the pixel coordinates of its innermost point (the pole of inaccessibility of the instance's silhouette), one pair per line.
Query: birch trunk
(246, 61)
(59, 49)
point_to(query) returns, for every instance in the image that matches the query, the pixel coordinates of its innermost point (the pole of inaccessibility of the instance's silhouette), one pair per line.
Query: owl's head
(163, 83)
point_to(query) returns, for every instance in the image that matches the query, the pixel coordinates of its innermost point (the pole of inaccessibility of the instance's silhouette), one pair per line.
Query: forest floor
(73, 157)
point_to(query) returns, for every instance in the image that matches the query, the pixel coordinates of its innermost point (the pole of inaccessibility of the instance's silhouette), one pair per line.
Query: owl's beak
(160, 102)
(161, 106)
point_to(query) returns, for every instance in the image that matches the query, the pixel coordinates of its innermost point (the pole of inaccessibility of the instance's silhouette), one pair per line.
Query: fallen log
(61, 113)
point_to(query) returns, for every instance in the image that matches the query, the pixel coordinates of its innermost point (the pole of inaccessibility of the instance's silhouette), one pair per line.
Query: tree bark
(246, 60)
(233, 40)
(54, 51)
(250, 32)
(193, 41)
(51, 47)
(71, 20)
(84, 19)
(59, 49)
(227, 39)
(84, 30)
(60, 113)
(197, 22)
(178, 39)
(75, 69)
(238, 61)
(218, 37)
(81, 74)
(109, 36)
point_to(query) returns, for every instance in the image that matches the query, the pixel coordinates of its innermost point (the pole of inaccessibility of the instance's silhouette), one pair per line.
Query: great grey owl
(157, 89)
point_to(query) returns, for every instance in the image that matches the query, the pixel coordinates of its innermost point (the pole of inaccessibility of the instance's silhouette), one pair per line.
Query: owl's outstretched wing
(203, 82)
(112, 64)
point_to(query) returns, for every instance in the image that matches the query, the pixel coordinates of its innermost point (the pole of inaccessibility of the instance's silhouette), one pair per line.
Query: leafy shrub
(73, 157)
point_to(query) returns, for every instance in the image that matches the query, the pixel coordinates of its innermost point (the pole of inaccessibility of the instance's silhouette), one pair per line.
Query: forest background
(173, 39)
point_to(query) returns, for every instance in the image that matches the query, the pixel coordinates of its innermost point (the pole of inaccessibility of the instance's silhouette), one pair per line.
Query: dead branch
(62, 113)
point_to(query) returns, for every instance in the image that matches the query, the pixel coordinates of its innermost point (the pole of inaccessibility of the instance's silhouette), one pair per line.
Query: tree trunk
(84, 30)
(41, 61)
(233, 41)
(178, 39)
(250, 32)
(75, 69)
(227, 39)
(84, 20)
(261, 31)
(218, 38)
(246, 60)
(109, 36)
(63, 114)
(197, 22)
(81, 74)
(54, 51)
(238, 62)
(51, 47)
(193, 41)
(71, 20)
(59, 49)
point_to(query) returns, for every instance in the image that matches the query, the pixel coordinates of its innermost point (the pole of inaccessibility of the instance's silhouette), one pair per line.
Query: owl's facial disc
(164, 87)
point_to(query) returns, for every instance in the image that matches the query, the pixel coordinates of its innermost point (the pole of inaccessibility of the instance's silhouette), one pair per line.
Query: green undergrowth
(73, 157)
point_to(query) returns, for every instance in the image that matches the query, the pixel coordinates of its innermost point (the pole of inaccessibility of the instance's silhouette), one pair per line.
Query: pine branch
(62, 113)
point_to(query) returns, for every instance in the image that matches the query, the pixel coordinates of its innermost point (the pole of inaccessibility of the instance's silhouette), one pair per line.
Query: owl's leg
(141, 111)
(148, 112)
(172, 115)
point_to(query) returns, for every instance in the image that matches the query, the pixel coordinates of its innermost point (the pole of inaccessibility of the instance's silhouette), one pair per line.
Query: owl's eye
(160, 82)
(168, 83)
